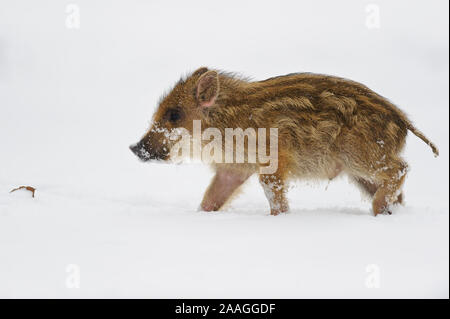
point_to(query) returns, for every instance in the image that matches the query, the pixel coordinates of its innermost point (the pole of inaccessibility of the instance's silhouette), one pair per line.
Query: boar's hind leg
(391, 179)
(223, 185)
(274, 188)
(370, 189)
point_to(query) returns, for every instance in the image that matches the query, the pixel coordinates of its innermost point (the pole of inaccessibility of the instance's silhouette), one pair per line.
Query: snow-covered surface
(71, 101)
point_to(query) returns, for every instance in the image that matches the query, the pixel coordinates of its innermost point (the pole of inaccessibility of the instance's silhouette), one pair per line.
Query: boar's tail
(420, 135)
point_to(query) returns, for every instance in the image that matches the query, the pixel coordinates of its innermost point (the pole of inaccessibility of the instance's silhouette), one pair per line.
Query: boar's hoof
(209, 207)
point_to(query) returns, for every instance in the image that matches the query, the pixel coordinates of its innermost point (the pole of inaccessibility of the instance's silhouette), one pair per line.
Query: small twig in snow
(28, 188)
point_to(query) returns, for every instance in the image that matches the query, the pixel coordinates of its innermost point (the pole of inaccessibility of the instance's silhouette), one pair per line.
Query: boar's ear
(207, 88)
(200, 71)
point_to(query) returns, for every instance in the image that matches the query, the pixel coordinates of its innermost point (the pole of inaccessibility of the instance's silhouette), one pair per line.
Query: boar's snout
(139, 150)
(145, 153)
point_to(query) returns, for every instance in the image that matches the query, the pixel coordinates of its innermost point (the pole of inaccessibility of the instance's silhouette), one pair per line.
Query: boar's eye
(174, 115)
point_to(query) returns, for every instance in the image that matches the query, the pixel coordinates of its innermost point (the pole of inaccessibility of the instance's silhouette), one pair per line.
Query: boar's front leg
(275, 190)
(223, 185)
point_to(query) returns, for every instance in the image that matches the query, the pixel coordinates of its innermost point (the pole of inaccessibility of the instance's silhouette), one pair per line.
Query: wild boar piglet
(296, 126)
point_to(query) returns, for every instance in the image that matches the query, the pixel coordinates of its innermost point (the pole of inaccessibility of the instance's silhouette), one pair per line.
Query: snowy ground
(71, 101)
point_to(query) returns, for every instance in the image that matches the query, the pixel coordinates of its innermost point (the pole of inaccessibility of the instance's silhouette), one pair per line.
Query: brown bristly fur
(326, 126)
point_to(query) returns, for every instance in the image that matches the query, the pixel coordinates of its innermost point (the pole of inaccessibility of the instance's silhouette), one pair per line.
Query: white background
(72, 100)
